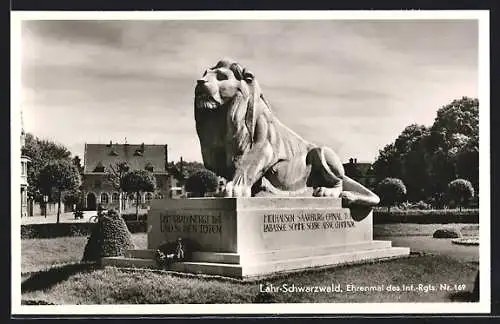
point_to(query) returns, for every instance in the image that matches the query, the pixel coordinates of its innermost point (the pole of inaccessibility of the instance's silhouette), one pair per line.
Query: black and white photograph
(250, 162)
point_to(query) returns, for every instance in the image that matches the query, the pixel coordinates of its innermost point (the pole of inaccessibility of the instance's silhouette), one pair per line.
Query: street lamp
(45, 200)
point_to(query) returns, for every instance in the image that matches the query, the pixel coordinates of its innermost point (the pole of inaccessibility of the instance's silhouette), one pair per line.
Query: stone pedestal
(246, 237)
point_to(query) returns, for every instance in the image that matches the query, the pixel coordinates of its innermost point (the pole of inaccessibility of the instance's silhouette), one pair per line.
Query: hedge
(52, 230)
(431, 216)
(440, 216)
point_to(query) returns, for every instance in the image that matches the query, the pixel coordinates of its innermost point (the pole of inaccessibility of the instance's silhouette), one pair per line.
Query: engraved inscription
(307, 221)
(191, 223)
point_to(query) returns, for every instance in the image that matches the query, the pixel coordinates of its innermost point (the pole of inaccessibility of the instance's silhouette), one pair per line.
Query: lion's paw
(326, 192)
(237, 190)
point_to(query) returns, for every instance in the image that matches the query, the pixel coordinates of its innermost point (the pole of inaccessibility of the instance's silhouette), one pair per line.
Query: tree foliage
(58, 177)
(78, 163)
(114, 176)
(182, 170)
(391, 191)
(41, 152)
(201, 182)
(138, 181)
(460, 191)
(428, 158)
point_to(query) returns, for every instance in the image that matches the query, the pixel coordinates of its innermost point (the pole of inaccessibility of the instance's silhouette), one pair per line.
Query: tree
(78, 163)
(114, 176)
(138, 181)
(41, 152)
(181, 170)
(59, 176)
(391, 191)
(460, 191)
(72, 197)
(426, 159)
(454, 143)
(201, 182)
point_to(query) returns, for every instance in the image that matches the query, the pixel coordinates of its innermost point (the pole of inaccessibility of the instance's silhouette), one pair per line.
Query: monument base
(255, 237)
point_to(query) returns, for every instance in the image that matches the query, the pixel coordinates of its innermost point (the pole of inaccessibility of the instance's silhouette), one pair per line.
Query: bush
(201, 182)
(445, 233)
(431, 216)
(460, 191)
(52, 230)
(391, 191)
(421, 205)
(110, 237)
(132, 217)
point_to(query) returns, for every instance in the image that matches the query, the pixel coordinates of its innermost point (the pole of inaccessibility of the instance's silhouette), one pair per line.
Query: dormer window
(113, 153)
(99, 167)
(149, 167)
(138, 153)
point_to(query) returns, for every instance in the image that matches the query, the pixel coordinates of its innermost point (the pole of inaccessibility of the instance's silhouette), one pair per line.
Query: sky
(350, 85)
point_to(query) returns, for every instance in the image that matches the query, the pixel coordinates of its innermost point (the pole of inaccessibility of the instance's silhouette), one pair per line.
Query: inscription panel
(288, 228)
(211, 229)
(307, 221)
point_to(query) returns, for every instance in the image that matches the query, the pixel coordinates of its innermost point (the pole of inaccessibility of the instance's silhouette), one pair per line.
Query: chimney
(142, 147)
(350, 161)
(355, 161)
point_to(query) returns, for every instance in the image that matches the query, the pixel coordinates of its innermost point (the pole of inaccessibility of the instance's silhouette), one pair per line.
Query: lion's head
(226, 103)
(220, 84)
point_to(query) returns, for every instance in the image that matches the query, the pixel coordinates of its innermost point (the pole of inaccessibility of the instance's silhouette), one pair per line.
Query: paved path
(64, 218)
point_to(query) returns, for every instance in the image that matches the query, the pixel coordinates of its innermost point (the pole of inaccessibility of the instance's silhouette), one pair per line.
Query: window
(23, 168)
(149, 197)
(104, 198)
(149, 167)
(159, 196)
(115, 197)
(99, 167)
(131, 197)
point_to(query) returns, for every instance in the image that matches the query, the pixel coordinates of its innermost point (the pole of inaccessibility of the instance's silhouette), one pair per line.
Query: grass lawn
(52, 273)
(83, 284)
(41, 254)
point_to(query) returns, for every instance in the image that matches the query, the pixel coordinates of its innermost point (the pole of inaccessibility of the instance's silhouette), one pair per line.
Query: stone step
(216, 257)
(275, 255)
(210, 268)
(140, 254)
(353, 257)
(258, 269)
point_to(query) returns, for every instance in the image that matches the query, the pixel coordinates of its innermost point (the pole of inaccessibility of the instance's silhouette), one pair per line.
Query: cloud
(353, 85)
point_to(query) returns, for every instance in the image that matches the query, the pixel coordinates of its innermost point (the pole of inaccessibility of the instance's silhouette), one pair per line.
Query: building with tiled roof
(362, 172)
(100, 158)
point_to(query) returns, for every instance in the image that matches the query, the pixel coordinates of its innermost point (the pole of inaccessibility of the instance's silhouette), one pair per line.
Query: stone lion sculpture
(242, 140)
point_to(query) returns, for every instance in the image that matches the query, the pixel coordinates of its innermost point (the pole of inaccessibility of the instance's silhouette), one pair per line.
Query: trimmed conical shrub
(110, 237)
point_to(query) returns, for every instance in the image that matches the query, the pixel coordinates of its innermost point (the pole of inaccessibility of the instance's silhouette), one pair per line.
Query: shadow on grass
(48, 278)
